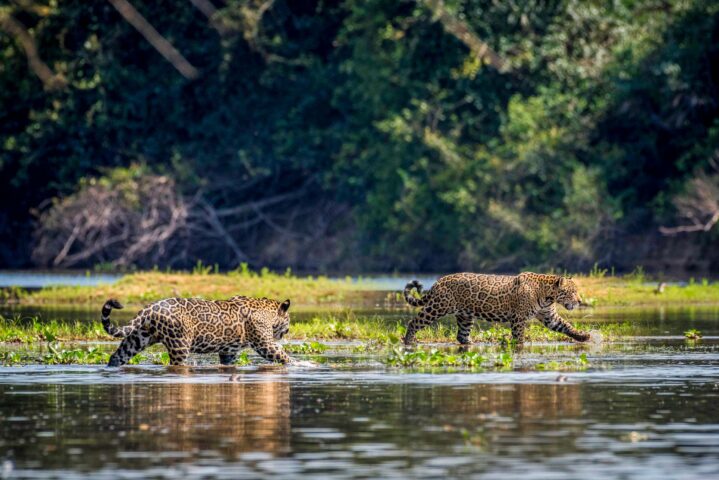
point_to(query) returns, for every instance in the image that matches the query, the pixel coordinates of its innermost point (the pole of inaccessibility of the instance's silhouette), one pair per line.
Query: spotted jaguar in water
(501, 298)
(193, 325)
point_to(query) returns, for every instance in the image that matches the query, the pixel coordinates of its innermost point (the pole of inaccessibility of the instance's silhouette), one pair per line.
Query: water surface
(644, 408)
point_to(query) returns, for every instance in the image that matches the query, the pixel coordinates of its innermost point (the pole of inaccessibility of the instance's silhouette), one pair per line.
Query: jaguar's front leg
(518, 326)
(551, 319)
(263, 342)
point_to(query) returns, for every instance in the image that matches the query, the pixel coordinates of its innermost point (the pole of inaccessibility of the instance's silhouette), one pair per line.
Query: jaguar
(500, 298)
(194, 325)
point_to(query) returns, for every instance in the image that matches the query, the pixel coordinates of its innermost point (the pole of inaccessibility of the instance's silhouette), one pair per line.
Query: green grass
(597, 289)
(375, 329)
(637, 290)
(138, 289)
(29, 330)
(330, 326)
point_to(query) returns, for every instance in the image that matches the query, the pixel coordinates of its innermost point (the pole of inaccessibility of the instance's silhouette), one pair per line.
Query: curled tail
(414, 301)
(111, 329)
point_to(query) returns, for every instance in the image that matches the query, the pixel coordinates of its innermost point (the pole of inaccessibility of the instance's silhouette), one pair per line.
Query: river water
(646, 407)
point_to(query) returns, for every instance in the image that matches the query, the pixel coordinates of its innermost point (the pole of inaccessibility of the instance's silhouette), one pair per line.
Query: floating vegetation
(473, 360)
(55, 353)
(400, 357)
(307, 348)
(693, 334)
(579, 363)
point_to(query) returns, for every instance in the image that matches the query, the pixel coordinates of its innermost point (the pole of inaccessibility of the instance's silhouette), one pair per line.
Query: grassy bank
(636, 290)
(596, 288)
(141, 288)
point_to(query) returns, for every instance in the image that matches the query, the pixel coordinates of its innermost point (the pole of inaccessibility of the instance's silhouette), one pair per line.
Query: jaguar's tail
(409, 298)
(111, 329)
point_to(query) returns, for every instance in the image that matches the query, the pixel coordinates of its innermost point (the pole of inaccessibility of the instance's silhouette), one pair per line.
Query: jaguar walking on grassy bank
(192, 325)
(500, 298)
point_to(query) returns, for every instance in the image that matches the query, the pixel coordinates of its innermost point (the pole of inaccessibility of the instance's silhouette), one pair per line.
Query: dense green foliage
(437, 159)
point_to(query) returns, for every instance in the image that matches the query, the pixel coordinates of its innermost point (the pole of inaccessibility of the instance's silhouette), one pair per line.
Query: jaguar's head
(567, 294)
(282, 321)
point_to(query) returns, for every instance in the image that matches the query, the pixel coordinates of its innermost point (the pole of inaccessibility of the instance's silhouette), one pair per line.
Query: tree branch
(50, 80)
(464, 33)
(697, 227)
(164, 47)
(253, 206)
(698, 207)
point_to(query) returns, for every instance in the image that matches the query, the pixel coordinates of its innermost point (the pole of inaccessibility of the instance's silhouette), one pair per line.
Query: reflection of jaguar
(197, 420)
(191, 325)
(499, 298)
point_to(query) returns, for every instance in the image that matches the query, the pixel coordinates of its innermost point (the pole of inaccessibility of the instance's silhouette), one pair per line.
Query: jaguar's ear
(559, 282)
(284, 306)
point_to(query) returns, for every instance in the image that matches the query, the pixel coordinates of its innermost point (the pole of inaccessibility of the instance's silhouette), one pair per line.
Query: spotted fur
(192, 325)
(500, 298)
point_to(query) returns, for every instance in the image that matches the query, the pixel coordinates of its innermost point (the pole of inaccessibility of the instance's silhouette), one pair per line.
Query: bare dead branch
(214, 221)
(696, 227)
(160, 43)
(698, 208)
(464, 33)
(49, 79)
(144, 220)
(259, 204)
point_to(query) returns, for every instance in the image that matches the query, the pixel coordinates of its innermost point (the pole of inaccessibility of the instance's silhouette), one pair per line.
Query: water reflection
(274, 424)
(140, 425)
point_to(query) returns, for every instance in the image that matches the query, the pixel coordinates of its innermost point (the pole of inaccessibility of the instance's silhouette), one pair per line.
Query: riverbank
(138, 289)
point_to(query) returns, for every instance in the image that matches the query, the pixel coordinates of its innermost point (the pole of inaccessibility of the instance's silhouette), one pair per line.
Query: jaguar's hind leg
(464, 327)
(130, 346)
(428, 316)
(228, 358)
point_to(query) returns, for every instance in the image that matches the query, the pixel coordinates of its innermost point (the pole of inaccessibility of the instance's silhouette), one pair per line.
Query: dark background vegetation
(367, 135)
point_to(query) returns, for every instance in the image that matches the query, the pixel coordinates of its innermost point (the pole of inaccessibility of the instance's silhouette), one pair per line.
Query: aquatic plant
(401, 357)
(473, 360)
(579, 363)
(693, 334)
(57, 355)
(306, 348)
